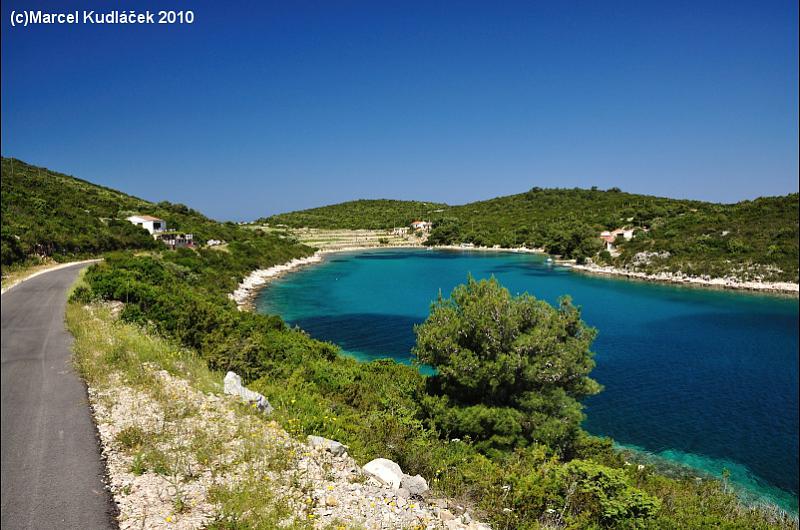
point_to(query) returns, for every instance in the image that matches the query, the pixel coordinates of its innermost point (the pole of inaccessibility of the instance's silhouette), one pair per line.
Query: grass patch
(180, 447)
(131, 437)
(254, 505)
(105, 346)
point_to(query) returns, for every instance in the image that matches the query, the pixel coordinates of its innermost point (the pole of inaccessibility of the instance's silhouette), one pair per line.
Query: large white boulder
(384, 471)
(233, 386)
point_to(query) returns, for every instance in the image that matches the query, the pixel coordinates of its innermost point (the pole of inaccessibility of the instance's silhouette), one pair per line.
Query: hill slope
(750, 239)
(363, 213)
(49, 214)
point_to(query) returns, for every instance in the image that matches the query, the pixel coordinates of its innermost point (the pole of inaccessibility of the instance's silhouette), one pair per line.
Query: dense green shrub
(510, 370)
(48, 214)
(363, 213)
(599, 492)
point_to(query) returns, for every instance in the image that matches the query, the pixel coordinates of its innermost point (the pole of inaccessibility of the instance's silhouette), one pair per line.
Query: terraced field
(336, 239)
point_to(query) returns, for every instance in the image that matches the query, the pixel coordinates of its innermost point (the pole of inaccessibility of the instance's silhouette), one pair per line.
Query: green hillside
(750, 239)
(46, 214)
(363, 213)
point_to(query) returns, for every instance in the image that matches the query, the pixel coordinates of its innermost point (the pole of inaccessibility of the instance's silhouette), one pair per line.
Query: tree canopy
(510, 370)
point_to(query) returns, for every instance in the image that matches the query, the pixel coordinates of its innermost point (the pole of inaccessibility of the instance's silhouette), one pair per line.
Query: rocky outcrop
(233, 386)
(334, 490)
(684, 279)
(646, 258)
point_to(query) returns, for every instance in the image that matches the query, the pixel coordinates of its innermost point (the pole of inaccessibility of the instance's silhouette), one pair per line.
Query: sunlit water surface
(701, 377)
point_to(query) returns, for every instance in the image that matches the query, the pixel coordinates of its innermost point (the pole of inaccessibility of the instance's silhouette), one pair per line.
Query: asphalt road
(52, 473)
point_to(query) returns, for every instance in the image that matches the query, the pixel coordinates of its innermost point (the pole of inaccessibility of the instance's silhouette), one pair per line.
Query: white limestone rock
(332, 446)
(234, 387)
(384, 471)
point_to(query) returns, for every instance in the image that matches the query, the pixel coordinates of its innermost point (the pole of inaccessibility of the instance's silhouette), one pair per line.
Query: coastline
(253, 283)
(783, 288)
(749, 489)
(249, 287)
(245, 293)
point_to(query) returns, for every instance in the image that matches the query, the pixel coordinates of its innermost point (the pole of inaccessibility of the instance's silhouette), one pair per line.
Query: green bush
(510, 370)
(82, 295)
(599, 492)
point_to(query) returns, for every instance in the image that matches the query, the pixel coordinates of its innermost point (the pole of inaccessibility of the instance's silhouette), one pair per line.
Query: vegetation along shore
(500, 445)
(789, 288)
(344, 240)
(751, 244)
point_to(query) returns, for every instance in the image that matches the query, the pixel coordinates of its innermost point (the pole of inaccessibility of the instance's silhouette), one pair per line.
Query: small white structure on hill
(421, 225)
(609, 237)
(175, 239)
(149, 223)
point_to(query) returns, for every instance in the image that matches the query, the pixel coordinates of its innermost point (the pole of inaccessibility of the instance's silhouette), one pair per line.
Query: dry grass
(163, 425)
(16, 273)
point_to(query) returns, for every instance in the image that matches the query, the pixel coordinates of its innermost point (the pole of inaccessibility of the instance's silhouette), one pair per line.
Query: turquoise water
(700, 377)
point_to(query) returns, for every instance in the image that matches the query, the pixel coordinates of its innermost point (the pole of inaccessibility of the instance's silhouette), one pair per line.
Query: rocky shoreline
(259, 278)
(786, 288)
(255, 281)
(250, 286)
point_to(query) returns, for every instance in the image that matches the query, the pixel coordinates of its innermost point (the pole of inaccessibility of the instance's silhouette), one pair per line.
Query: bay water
(699, 377)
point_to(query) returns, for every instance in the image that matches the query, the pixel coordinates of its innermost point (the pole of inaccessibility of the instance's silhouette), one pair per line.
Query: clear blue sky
(262, 107)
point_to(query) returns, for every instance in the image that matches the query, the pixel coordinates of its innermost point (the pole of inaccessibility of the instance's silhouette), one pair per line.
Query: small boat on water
(549, 260)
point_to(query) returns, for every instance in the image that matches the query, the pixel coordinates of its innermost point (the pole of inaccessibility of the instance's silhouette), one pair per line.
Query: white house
(609, 237)
(149, 223)
(421, 225)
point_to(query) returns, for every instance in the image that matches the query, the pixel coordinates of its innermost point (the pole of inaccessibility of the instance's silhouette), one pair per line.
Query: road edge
(49, 269)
